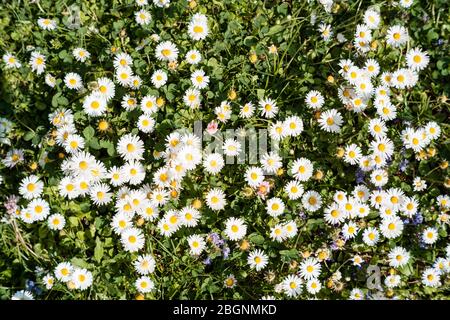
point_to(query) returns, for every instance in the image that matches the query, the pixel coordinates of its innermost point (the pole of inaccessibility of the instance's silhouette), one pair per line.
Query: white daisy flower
(50, 80)
(275, 207)
(352, 154)
(330, 121)
(39, 208)
(257, 260)
(128, 102)
(37, 62)
(73, 143)
(231, 147)
(73, 81)
(431, 278)
(122, 60)
(391, 227)
(372, 18)
(197, 244)
(130, 147)
(189, 216)
(56, 222)
(314, 100)
(132, 239)
(215, 199)
(63, 271)
(144, 284)
(268, 108)
(193, 57)
(429, 235)
(159, 78)
(311, 201)
(31, 187)
(294, 126)
(192, 98)
(124, 76)
(350, 230)
(294, 190)
(292, 285)
(213, 163)
(94, 105)
(198, 29)
(371, 236)
(397, 36)
(199, 79)
(310, 269)
(81, 54)
(82, 279)
(11, 61)
(143, 17)
(166, 51)
(46, 24)
(235, 228)
(146, 123)
(247, 110)
(144, 264)
(133, 172)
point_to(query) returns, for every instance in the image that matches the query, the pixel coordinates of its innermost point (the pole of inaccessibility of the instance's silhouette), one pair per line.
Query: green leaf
(98, 251)
(29, 135)
(73, 221)
(88, 133)
(256, 238)
(275, 29)
(431, 35)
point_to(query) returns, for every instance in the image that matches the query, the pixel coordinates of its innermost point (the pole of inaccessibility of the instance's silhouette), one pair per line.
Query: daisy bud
(318, 175)
(330, 79)
(330, 284)
(61, 155)
(322, 255)
(244, 245)
(103, 125)
(232, 94)
(140, 297)
(443, 165)
(70, 285)
(270, 276)
(338, 286)
(293, 264)
(247, 192)
(431, 152)
(340, 152)
(306, 254)
(140, 222)
(160, 102)
(197, 204)
(33, 166)
(280, 172)
(374, 45)
(253, 58)
(317, 114)
(447, 183)
(172, 65)
(192, 4)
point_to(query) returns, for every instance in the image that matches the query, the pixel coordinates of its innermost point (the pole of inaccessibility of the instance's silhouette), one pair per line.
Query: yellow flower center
(198, 29)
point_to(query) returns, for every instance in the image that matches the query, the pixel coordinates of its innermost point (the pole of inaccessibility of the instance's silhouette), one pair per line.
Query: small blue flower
(225, 252)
